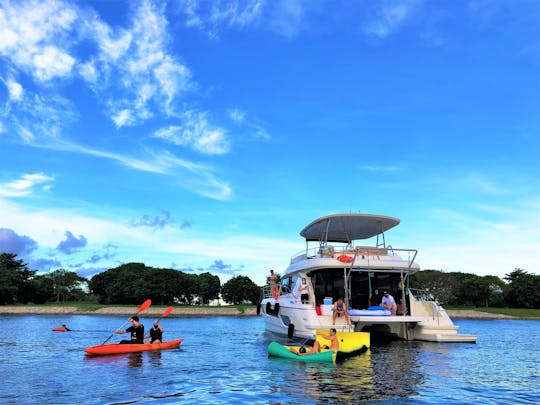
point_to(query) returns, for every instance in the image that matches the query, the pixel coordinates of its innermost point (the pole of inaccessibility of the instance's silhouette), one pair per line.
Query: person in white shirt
(388, 302)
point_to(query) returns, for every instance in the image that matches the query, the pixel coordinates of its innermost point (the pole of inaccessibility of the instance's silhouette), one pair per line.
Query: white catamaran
(335, 267)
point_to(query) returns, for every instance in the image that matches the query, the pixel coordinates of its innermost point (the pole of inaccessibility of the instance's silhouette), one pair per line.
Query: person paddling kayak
(156, 333)
(136, 329)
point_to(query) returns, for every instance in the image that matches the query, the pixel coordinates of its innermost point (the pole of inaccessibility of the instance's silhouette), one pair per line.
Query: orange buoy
(345, 259)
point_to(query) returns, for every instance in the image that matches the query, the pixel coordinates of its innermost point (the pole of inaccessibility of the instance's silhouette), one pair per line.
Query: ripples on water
(224, 360)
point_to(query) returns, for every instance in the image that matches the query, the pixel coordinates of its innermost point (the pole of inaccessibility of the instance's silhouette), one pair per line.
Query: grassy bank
(514, 312)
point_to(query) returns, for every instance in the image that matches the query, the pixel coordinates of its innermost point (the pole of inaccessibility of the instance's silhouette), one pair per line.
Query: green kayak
(277, 350)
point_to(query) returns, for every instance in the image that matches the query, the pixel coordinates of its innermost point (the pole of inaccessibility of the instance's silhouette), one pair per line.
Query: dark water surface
(224, 360)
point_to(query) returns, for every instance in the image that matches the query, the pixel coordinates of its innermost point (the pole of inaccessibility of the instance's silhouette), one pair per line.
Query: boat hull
(116, 348)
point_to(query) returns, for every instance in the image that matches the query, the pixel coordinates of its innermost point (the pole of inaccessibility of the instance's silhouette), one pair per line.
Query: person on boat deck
(136, 329)
(340, 309)
(302, 289)
(334, 344)
(272, 278)
(156, 333)
(388, 302)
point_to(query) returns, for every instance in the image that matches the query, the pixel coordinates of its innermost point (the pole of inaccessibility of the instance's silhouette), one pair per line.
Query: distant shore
(190, 311)
(126, 311)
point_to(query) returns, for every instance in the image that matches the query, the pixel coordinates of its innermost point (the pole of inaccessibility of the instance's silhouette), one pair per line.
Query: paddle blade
(166, 312)
(145, 305)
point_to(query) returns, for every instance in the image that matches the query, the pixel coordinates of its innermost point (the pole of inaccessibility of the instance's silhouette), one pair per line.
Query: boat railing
(360, 251)
(422, 295)
(275, 290)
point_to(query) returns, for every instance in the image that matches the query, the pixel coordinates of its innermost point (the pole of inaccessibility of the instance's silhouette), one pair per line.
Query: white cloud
(196, 133)
(15, 90)
(122, 118)
(197, 178)
(150, 79)
(211, 17)
(52, 62)
(237, 115)
(32, 37)
(390, 16)
(25, 185)
(38, 117)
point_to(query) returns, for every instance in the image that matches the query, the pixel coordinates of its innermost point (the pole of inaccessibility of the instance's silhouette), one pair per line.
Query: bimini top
(347, 227)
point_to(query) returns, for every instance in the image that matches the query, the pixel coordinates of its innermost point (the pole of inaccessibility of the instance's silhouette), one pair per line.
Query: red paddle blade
(145, 305)
(166, 312)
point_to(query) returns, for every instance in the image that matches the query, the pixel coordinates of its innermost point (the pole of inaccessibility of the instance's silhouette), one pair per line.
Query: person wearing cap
(388, 302)
(156, 333)
(136, 329)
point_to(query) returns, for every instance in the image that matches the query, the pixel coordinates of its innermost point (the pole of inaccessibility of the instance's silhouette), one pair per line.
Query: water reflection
(384, 372)
(135, 359)
(155, 358)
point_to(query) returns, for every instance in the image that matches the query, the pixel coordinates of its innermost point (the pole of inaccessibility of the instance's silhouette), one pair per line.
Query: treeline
(129, 283)
(133, 283)
(521, 289)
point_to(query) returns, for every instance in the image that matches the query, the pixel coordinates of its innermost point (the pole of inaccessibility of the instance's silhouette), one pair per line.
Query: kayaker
(64, 327)
(136, 329)
(156, 333)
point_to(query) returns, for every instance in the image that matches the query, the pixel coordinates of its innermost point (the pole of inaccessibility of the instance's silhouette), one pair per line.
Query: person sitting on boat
(388, 302)
(64, 327)
(340, 309)
(156, 333)
(136, 329)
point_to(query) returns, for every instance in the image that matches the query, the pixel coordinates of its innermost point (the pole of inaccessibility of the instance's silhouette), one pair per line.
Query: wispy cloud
(135, 65)
(211, 17)
(196, 133)
(156, 222)
(382, 169)
(389, 17)
(26, 185)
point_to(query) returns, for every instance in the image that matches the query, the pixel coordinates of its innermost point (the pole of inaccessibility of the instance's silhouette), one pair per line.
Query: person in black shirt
(136, 329)
(156, 333)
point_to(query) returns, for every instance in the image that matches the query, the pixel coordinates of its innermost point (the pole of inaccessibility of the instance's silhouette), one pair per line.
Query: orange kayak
(60, 330)
(116, 348)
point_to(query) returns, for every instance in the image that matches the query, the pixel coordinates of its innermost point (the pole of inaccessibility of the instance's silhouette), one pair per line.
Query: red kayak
(60, 330)
(116, 348)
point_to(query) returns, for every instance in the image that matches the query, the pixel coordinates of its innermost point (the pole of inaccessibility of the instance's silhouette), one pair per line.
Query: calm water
(224, 360)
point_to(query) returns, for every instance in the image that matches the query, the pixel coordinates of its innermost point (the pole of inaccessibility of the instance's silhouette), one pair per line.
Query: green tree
(523, 289)
(43, 289)
(481, 291)
(240, 289)
(209, 287)
(14, 279)
(442, 285)
(67, 285)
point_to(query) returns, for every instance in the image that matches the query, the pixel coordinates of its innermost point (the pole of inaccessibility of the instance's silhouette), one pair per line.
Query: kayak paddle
(142, 308)
(165, 313)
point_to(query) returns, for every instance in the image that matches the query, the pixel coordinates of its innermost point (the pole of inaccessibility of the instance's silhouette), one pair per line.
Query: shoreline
(193, 312)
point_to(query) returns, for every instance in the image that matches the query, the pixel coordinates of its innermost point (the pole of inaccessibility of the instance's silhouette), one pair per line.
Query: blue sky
(204, 135)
